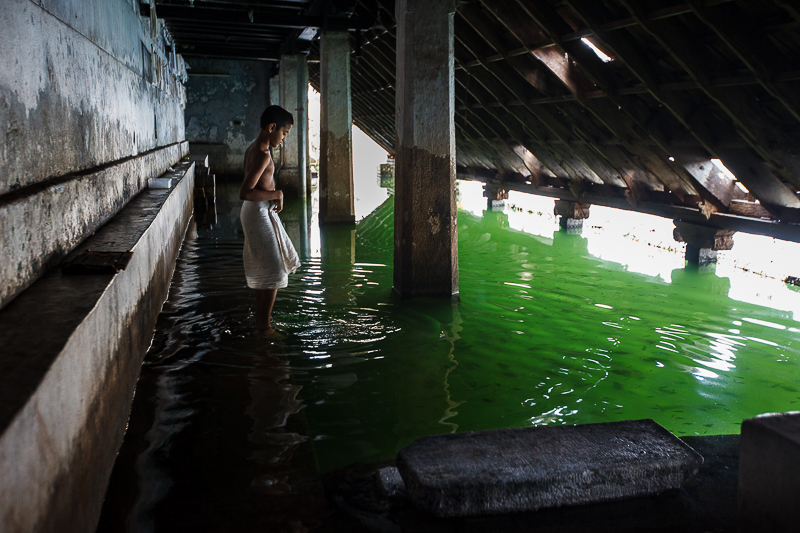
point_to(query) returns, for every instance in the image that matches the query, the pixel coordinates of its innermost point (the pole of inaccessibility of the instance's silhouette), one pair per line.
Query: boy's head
(277, 115)
(276, 123)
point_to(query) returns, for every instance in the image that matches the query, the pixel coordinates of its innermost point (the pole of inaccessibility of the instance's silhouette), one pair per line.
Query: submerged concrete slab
(72, 348)
(769, 473)
(525, 469)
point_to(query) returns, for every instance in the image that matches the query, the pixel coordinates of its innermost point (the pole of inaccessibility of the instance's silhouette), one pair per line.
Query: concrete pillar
(702, 242)
(769, 473)
(572, 214)
(496, 197)
(425, 246)
(293, 177)
(336, 199)
(275, 99)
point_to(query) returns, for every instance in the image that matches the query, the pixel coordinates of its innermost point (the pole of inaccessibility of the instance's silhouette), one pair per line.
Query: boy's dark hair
(277, 115)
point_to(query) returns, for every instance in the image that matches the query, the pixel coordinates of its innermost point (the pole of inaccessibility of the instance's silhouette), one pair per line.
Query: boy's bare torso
(254, 157)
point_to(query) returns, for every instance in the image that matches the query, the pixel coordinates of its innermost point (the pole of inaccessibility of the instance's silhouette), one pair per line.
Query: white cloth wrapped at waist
(269, 255)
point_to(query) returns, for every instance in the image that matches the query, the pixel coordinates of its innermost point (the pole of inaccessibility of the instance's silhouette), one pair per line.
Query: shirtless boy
(269, 256)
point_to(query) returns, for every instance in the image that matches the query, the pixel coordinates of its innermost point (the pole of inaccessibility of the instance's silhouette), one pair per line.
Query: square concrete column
(336, 202)
(702, 242)
(425, 246)
(293, 176)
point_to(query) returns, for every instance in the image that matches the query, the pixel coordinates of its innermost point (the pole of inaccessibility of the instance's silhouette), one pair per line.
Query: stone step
(525, 469)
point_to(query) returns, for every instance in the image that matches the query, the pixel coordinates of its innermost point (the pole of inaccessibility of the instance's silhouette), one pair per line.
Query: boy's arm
(248, 190)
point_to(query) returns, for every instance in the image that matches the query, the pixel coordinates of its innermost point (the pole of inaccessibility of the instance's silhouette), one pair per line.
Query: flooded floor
(232, 433)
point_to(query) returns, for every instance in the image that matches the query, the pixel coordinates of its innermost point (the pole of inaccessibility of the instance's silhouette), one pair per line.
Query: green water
(544, 333)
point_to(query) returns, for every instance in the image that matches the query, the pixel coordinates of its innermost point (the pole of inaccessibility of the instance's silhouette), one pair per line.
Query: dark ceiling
(259, 30)
(539, 110)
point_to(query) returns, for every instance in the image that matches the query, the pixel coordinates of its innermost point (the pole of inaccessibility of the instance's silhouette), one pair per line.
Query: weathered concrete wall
(90, 108)
(224, 102)
(72, 352)
(72, 91)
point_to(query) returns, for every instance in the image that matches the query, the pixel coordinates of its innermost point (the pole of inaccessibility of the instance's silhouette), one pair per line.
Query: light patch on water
(758, 322)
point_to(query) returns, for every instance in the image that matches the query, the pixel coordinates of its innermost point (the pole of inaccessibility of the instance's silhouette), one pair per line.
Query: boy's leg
(265, 299)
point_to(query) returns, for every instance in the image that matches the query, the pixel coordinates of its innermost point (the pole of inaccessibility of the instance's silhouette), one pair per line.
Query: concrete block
(390, 483)
(201, 160)
(159, 183)
(525, 469)
(769, 473)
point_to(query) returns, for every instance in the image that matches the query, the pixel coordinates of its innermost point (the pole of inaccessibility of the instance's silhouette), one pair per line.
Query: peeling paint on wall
(224, 102)
(67, 103)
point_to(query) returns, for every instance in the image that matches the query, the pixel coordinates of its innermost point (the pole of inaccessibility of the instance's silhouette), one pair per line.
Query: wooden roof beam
(499, 128)
(557, 160)
(763, 58)
(709, 181)
(583, 162)
(746, 115)
(649, 166)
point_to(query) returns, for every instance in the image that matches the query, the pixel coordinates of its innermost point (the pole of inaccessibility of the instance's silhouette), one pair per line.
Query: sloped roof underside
(538, 110)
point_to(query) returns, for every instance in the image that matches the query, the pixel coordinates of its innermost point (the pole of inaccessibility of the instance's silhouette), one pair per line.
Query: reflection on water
(229, 432)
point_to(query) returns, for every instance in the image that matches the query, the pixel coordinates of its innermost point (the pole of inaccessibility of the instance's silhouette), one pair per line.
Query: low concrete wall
(39, 226)
(72, 352)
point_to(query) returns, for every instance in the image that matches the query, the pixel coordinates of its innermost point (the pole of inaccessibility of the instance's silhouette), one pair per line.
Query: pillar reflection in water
(296, 218)
(338, 254)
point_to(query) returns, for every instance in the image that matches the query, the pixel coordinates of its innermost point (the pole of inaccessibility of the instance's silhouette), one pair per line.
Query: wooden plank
(757, 176)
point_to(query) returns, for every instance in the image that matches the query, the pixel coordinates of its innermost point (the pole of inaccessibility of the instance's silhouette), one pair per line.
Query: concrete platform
(705, 504)
(72, 348)
(525, 469)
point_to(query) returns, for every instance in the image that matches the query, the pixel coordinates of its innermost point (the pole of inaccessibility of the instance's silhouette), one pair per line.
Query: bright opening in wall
(602, 55)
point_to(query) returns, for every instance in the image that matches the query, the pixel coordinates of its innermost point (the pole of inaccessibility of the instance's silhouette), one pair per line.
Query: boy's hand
(279, 202)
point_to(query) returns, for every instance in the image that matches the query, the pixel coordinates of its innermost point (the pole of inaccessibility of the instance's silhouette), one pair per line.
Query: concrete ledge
(769, 473)
(72, 352)
(39, 227)
(525, 469)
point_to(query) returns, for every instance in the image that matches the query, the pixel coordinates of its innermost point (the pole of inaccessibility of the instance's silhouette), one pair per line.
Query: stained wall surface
(224, 102)
(85, 86)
